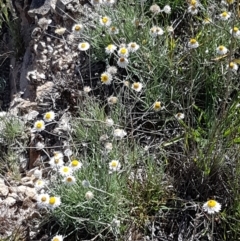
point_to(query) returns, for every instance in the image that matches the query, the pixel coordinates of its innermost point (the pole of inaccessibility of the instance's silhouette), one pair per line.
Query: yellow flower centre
(211, 203)
(114, 163)
(221, 48)
(74, 163)
(65, 169)
(133, 45)
(231, 65)
(39, 125)
(193, 2)
(52, 200)
(113, 29)
(56, 239)
(104, 20)
(48, 115)
(110, 46)
(157, 105)
(207, 20)
(83, 45)
(77, 28)
(56, 161)
(39, 182)
(104, 78)
(43, 199)
(179, 115)
(193, 41)
(122, 60)
(123, 51)
(224, 14)
(235, 29)
(136, 85)
(69, 179)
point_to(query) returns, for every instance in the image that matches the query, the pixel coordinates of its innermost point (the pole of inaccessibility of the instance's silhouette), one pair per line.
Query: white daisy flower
(83, 46)
(155, 9)
(221, 50)
(37, 174)
(75, 165)
(225, 15)
(106, 78)
(123, 52)
(167, 9)
(56, 162)
(77, 29)
(114, 165)
(159, 31)
(108, 146)
(180, 116)
(133, 47)
(211, 207)
(137, 86)
(119, 134)
(113, 30)
(89, 195)
(122, 62)
(112, 70)
(57, 238)
(112, 100)
(105, 21)
(54, 202)
(87, 89)
(170, 29)
(39, 184)
(68, 152)
(49, 116)
(58, 154)
(157, 106)
(194, 3)
(193, 10)
(155, 31)
(109, 2)
(60, 31)
(235, 32)
(39, 145)
(207, 21)
(39, 126)
(233, 66)
(65, 170)
(193, 43)
(110, 48)
(109, 122)
(42, 200)
(103, 137)
(69, 180)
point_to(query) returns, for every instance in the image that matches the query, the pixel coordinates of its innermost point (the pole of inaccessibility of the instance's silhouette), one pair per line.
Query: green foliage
(4, 12)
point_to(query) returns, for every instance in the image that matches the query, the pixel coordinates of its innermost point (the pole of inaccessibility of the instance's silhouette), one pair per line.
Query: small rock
(3, 190)
(61, 4)
(10, 201)
(28, 191)
(1, 181)
(41, 7)
(14, 195)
